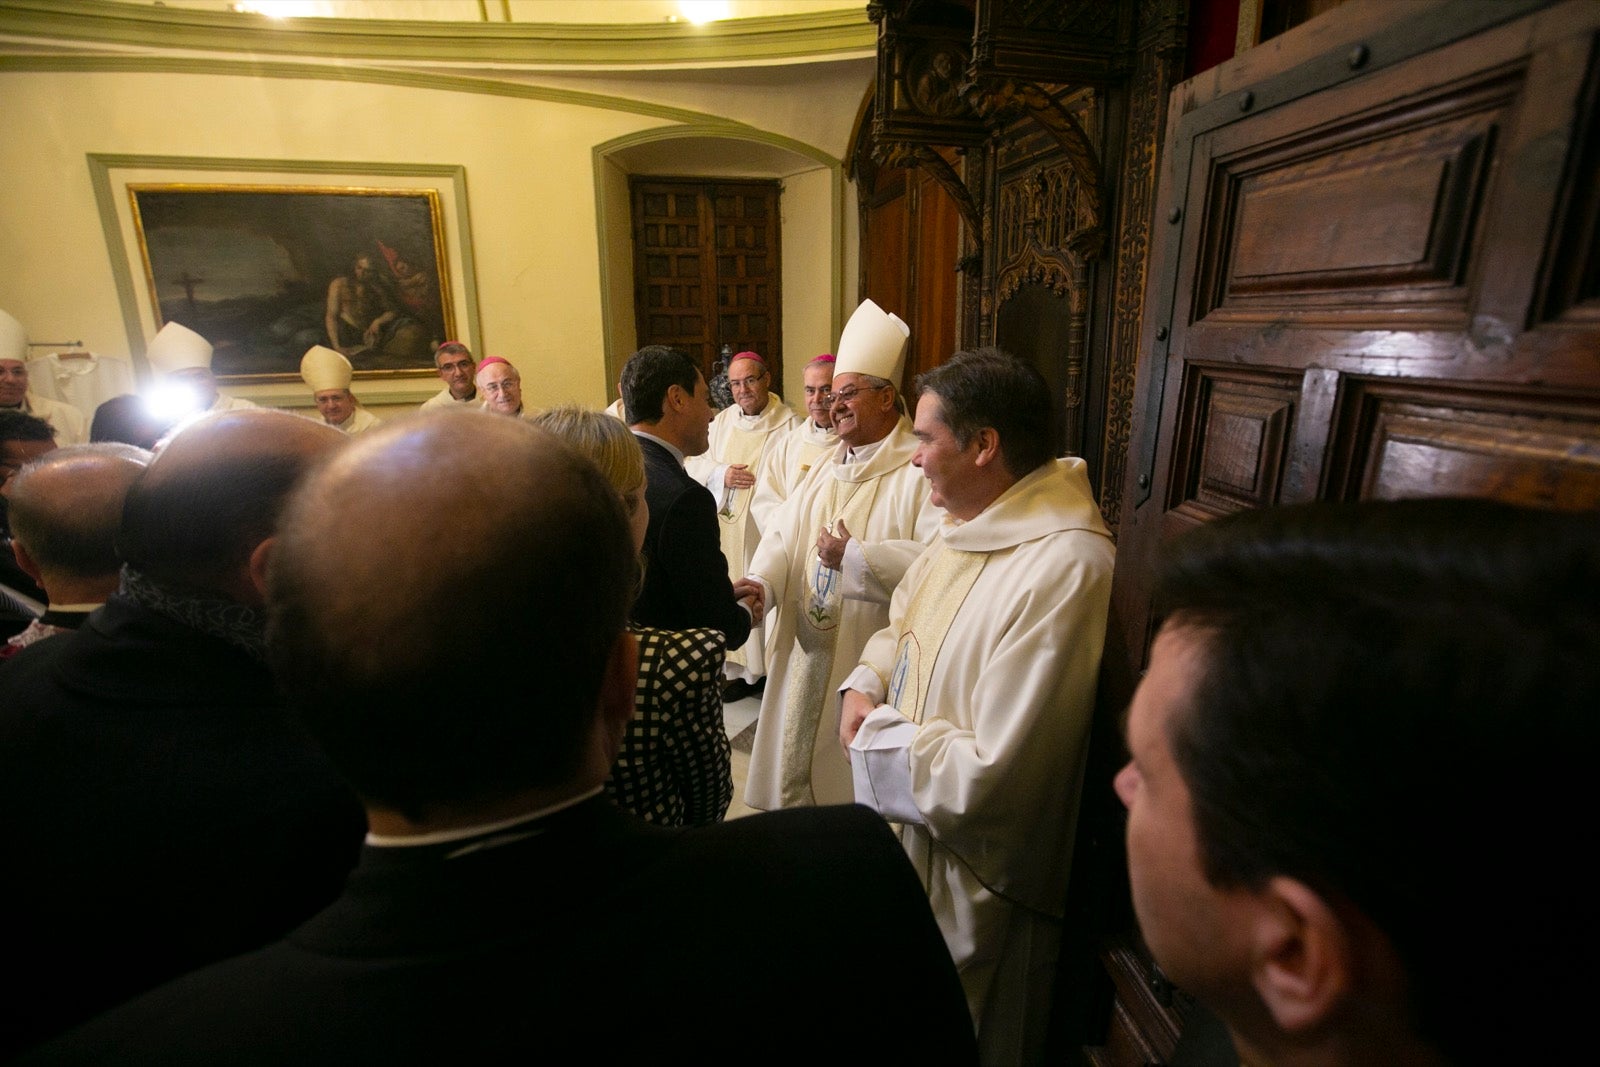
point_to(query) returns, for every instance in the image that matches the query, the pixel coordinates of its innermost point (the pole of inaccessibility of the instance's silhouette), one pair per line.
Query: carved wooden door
(707, 268)
(1375, 274)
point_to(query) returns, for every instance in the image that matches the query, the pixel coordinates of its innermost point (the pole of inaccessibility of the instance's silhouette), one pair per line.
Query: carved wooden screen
(707, 269)
(1374, 275)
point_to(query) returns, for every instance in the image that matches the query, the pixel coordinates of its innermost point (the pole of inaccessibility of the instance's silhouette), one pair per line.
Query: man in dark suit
(1362, 770)
(686, 575)
(504, 909)
(160, 811)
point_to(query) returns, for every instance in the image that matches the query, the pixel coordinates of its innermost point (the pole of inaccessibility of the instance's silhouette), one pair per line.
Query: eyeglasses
(746, 383)
(502, 387)
(451, 368)
(844, 396)
(821, 391)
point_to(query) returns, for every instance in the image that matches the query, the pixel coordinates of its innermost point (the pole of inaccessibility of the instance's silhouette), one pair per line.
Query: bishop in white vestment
(828, 564)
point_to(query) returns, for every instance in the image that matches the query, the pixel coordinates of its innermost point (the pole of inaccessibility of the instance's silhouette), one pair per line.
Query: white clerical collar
(677, 453)
(461, 833)
(80, 609)
(864, 453)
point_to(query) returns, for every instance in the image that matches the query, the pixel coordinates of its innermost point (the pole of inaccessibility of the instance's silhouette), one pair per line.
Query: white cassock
(740, 438)
(360, 421)
(443, 399)
(991, 658)
(824, 617)
(70, 427)
(786, 464)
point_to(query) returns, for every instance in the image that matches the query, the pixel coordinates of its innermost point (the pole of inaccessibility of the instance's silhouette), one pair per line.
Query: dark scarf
(238, 624)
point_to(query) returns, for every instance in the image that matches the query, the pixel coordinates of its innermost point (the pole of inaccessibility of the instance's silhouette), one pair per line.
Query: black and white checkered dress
(674, 767)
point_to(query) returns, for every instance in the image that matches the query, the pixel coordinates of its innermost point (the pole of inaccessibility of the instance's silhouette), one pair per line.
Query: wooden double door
(707, 267)
(1375, 273)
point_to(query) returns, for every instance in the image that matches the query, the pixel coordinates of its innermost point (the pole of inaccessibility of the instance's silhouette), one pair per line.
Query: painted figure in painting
(365, 318)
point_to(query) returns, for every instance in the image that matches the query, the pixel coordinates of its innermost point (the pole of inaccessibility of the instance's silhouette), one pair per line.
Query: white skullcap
(873, 342)
(13, 339)
(323, 368)
(176, 347)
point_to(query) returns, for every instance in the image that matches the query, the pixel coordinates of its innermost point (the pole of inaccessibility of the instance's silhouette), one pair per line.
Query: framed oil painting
(264, 272)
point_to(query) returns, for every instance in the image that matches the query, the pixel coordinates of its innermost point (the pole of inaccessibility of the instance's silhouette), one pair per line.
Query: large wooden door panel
(707, 267)
(1395, 225)
(1374, 274)
(1414, 439)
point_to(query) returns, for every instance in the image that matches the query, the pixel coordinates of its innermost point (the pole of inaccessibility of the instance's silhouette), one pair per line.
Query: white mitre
(873, 342)
(323, 368)
(176, 347)
(13, 339)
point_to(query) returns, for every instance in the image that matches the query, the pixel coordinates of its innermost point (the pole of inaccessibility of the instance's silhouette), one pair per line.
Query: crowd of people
(325, 738)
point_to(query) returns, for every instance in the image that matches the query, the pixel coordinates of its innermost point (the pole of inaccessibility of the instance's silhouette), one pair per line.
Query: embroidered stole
(933, 609)
(806, 690)
(740, 447)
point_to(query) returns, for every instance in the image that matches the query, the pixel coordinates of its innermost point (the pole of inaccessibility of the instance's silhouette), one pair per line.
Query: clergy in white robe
(741, 435)
(328, 373)
(803, 446)
(181, 360)
(968, 719)
(70, 427)
(67, 421)
(456, 367)
(828, 565)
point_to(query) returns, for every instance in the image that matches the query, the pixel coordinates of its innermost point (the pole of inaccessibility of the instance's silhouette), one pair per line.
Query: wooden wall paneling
(1158, 65)
(935, 283)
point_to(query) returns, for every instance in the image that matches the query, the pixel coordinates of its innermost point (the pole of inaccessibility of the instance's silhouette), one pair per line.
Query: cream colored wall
(530, 192)
(807, 295)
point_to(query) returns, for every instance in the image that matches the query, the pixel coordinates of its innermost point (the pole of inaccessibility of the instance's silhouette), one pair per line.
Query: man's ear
(988, 442)
(25, 561)
(1303, 955)
(259, 559)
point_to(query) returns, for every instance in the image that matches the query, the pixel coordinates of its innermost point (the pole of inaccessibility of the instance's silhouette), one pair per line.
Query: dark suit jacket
(686, 575)
(585, 937)
(159, 813)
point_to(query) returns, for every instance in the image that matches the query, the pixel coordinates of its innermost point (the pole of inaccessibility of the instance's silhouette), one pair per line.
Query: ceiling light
(703, 11)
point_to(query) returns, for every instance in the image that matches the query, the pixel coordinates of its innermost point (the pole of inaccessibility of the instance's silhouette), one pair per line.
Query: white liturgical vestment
(986, 683)
(443, 399)
(70, 427)
(360, 421)
(740, 438)
(817, 635)
(786, 464)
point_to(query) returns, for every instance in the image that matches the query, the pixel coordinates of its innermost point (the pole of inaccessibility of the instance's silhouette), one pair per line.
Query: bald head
(65, 510)
(213, 495)
(515, 546)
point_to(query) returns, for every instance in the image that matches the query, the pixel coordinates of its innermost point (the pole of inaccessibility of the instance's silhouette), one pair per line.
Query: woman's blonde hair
(604, 440)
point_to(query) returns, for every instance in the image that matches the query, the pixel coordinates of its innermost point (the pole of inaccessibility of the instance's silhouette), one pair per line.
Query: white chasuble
(994, 765)
(785, 465)
(811, 658)
(815, 634)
